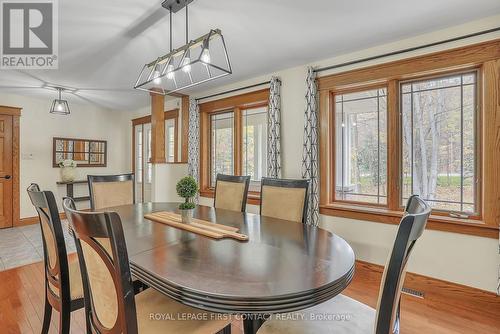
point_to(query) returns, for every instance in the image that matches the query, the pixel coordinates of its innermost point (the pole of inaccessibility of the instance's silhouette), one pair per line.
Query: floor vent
(412, 292)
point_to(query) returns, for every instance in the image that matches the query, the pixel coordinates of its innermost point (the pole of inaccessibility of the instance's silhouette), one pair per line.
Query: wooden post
(157, 129)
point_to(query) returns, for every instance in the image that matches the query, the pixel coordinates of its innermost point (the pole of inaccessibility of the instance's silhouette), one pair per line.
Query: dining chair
(284, 199)
(63, 283)
(110, 303)
(351, 316)
(111, 190)
(231, 192)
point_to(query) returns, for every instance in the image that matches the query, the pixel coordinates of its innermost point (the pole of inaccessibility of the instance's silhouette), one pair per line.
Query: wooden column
(157, 129)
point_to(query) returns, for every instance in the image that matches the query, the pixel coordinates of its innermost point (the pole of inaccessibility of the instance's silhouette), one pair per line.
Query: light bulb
(170, 71)
(157, 79)
(186, 64)
(205, 56)
(59, 107)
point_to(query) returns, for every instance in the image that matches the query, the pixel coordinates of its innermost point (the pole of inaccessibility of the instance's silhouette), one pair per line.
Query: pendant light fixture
(60, 106)
(198, 61)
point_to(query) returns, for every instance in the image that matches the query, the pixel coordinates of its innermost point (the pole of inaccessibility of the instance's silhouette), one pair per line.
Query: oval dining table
(284, 266)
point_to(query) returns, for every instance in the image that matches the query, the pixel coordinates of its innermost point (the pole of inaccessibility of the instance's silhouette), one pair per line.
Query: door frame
(15, 112)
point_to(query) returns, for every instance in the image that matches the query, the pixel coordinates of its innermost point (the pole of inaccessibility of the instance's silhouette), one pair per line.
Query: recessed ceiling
(103, 44)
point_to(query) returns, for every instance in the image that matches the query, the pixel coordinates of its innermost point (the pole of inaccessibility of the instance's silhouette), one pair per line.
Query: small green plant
(187, 187)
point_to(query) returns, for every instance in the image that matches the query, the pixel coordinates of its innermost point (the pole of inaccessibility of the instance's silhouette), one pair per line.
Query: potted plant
(68, 170)
(187, 188)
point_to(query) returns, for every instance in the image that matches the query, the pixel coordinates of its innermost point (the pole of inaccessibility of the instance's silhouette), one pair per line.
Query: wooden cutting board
(198, 226)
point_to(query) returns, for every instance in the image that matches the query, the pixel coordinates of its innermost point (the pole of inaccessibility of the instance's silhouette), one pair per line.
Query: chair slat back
(107, 281)
(54, 247)
(411, 227)
(111, 190)
(231, 192)
(284, 199)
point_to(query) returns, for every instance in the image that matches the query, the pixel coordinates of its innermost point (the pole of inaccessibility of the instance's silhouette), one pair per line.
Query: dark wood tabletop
(284, 266)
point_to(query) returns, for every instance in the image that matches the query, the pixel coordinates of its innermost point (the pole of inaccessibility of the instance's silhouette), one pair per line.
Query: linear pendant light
(60, 106)
(200, 60)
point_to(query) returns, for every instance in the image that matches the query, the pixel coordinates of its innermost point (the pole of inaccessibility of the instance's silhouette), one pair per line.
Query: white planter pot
(187, 216)
(68, 174)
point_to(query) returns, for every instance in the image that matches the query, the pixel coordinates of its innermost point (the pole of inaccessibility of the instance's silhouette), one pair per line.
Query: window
(255, 143)
(361, 146)
(233, 139)
(439, 141)
(170, 135)
(221, 144)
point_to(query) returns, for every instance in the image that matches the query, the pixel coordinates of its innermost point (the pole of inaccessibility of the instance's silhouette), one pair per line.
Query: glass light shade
(60, 107)
(188, 66)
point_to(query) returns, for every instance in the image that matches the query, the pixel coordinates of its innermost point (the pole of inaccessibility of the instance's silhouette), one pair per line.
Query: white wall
(453, 257)
(38, 127)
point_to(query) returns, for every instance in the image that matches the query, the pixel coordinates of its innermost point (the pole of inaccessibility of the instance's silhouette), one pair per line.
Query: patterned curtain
(194, 140)
(274, 130)
(310, 155)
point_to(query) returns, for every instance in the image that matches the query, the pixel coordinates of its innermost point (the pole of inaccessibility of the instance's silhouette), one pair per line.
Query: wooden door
(6, 142)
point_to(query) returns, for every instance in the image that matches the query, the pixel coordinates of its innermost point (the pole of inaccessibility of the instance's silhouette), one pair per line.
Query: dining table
(284, 266)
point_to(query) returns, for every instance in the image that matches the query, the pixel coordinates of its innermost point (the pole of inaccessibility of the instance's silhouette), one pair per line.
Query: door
(6, 142)
(143, 166)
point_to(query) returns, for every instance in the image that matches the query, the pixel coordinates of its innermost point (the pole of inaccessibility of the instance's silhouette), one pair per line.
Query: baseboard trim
(34, 220)
(439, 292)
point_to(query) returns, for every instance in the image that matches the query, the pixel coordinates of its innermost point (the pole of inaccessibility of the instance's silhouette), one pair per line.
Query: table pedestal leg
(251, 325)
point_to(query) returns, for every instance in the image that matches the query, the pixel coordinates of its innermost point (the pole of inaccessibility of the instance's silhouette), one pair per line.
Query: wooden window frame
(169, 114)
(235, 104)
(360, 88)
(485, 57)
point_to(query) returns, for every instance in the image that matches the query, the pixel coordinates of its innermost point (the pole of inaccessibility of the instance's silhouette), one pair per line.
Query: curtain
(274, 129)
(194, 140)
(310, 155)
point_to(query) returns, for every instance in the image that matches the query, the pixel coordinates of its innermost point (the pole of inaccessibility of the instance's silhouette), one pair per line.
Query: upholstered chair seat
(231, 192)
(340, 315)
(150, 303)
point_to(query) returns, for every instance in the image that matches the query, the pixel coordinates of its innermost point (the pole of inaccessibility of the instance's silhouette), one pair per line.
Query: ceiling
(103, 44)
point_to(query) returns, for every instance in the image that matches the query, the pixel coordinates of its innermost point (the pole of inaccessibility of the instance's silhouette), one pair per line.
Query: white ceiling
(103, 44)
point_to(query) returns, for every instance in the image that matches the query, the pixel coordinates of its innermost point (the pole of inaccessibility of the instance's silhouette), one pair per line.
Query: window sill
(436, 222)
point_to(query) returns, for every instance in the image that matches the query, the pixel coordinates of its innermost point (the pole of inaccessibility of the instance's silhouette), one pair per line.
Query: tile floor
(23, 245)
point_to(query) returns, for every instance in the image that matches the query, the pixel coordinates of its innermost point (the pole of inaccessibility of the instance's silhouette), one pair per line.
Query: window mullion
(394, 164)
(237, 142)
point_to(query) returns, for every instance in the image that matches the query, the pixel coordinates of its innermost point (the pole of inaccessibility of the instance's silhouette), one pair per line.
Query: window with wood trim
(442, 125)
(439, 147)
(234, 139)
(361, 146)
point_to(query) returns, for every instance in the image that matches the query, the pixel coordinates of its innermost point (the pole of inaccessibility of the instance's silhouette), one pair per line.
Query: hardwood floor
(22, 295)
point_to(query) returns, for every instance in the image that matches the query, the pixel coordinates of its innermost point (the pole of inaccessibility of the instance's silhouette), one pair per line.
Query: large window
(426, 125)
(439, 134)
(234, 139)
(361, 146)
(221, 157)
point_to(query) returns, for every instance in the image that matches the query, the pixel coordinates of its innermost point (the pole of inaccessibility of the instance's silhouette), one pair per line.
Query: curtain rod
(234, 90)
(321, 69)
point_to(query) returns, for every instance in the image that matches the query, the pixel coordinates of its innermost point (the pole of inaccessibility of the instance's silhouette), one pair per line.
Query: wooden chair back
(284, 199)
(111, 190)
(107, 281)
(231, 192)
(411, 227)
(55, 258)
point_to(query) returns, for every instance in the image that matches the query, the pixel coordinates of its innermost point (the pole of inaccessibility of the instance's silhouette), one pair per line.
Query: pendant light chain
(170, 29)
(187, 24)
